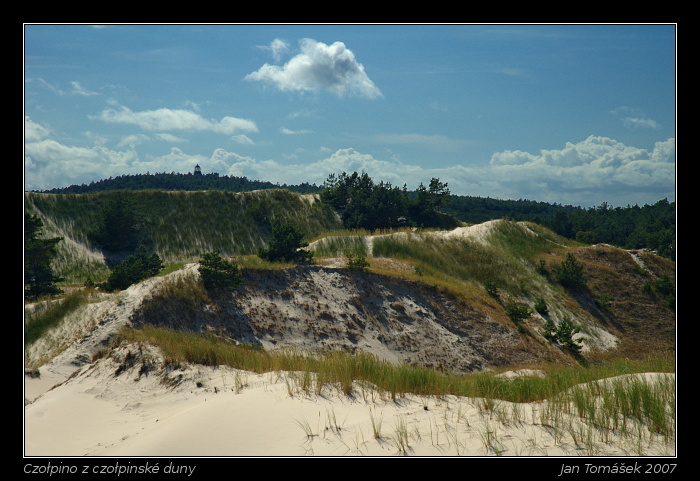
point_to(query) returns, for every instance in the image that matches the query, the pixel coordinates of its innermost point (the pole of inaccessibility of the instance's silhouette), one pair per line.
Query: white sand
(235, 413)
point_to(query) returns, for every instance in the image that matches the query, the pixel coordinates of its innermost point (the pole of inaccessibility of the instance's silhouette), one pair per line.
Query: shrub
(135, 268)
(570, 273)
(357, 262)
(663, 286)
(541, 306)
(564, 335)
(603, 302)
(517, 312)
(286, 245)
(491, 288)
(549, 330)
(218, 273)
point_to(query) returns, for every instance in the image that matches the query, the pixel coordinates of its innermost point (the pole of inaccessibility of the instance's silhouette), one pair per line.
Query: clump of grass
(337, 246)
(51, 316)
(617, 404)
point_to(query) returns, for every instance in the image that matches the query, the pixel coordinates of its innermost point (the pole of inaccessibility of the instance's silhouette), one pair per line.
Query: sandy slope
(225, 412)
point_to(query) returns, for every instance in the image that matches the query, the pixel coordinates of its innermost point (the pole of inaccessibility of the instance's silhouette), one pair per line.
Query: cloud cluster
(48, 163)
(596, 164)
(176, 119)
(317, 67)
(585, 173)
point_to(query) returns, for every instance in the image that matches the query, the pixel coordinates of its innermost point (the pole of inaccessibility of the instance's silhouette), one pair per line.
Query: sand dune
(198, 411)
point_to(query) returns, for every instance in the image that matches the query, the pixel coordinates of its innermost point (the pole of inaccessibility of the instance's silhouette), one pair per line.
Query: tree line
(364, 203)
(179, 181)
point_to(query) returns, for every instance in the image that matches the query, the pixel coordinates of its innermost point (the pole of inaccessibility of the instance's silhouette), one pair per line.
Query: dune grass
(608, 398)
(179, 225)
(51, 314)
(344, 368)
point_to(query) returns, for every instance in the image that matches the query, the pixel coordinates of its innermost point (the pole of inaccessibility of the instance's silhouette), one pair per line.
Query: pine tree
(218, 273)
(286, 245)
(39, 277)
(570, 273)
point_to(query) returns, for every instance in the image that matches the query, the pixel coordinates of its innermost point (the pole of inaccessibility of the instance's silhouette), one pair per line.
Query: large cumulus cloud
(596, 165)
(318, 67)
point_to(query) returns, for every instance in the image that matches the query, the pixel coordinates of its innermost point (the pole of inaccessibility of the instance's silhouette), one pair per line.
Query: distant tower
(197, 170)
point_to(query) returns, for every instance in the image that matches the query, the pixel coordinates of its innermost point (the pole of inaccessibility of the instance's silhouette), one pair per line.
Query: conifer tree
(39, 278)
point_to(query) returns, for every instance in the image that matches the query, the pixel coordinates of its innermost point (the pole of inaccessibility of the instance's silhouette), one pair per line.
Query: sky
(574, 114)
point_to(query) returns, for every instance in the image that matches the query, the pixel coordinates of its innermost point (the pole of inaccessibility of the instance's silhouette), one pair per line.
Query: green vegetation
(119, 226)
(135, 268)
(651, 226)
(631, 227)
(364, 204)
(563, 334)
(570, 273)
(341, 368)
(286, 245)
(178, 226)
(357, 262)
(218, 273)
(39, 322)
(180, 182)
(39, 277)
(497, 264)
(664, 288)
(518, 312)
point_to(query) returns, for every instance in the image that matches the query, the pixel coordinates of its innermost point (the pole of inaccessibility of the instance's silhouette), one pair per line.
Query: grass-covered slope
(438, 299)
(180, 226)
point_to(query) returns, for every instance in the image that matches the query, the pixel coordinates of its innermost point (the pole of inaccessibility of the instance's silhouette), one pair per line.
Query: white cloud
(319, 67)
(584, 173)
(640, 122)
(176, 119)
(279, 48)
(596, 167)
(34, 132)
(170, 138)
(635, 118)
(287, 131)
(433, 142)
(79, 90)
(133, 140)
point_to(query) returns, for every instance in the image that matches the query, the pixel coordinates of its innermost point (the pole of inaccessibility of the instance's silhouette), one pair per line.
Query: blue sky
(572, 114)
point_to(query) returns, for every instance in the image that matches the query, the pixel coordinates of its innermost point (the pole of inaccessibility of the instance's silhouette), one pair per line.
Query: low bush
(218, 273)
(570, 273)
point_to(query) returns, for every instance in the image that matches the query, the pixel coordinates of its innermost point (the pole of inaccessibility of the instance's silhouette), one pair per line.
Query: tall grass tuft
(40, 322)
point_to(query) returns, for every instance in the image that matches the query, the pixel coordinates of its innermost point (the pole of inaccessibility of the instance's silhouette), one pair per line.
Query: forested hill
(634, 227)
(178, 181)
